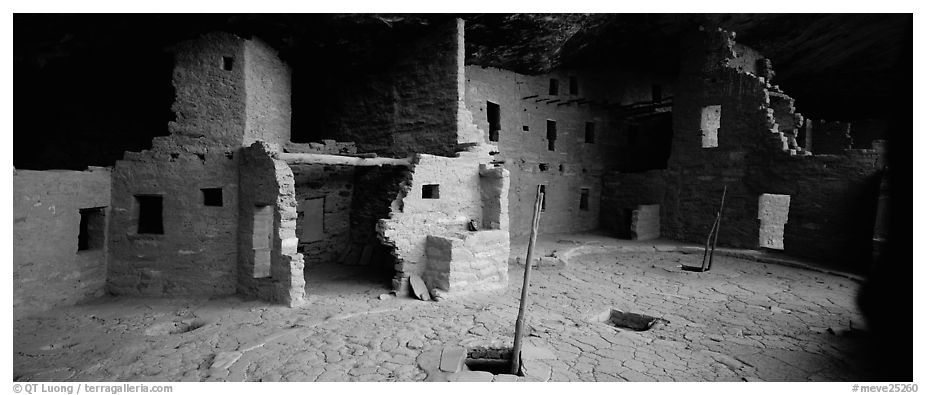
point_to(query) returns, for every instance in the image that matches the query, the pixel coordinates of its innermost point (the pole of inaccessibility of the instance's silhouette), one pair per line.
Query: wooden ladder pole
(723, 198)
(707, 246)
(522, 311)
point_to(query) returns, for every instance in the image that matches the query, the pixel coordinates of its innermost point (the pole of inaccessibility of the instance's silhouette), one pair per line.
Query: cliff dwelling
(373, 197)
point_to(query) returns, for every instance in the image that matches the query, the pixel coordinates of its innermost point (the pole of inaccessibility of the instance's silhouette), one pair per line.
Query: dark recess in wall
(648, 145)
(84, 106)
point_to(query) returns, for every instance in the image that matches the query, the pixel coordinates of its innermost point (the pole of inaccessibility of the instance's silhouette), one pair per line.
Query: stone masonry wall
(745, 59)
(459, 202)
(210, 100)
(48, 269)
(266, 182)
(753, 158)
(833, 204)
(427, 90)
(623, 192)
(410, 108)
(267, 82)
(228, 90)
(197, 251)
(467, 262)
(574, 164)
(447, 213)
(696, 176)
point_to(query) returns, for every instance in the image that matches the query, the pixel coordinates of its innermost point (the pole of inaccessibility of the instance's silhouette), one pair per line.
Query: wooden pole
(326, 159)
(707, 246)
(723, 198)
(522, 311)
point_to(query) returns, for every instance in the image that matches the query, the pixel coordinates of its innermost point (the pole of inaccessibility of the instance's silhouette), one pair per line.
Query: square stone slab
(451, 359)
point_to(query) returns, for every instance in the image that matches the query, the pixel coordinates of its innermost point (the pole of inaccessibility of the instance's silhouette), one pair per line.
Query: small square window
(212, 197)
(430, 191)
(228, 63)
(544, 167)
(526, 128)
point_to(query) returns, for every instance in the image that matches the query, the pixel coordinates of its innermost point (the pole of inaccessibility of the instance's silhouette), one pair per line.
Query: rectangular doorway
(773, 215)
(494, 117)
(262, 240)
(313, 220)
(551, 135)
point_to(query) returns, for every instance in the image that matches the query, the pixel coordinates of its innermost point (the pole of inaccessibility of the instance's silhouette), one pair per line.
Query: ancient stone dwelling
(433, 173)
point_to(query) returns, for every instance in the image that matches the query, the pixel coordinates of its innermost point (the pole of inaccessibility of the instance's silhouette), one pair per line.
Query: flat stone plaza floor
(745, 320)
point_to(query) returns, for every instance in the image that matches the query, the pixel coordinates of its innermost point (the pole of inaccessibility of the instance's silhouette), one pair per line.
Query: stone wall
(833, 204)
(412, 107)
(696, 176)
(196, 252)
(228, 91)
(440, 199)
(623, 192)
(427, 91)
(787, 120)
(745, 59)
(267, 81)
(574, 163)
(829, 195)
(467, 262)
(49, 267)
(209, 80)
(330, 147)
(231, 91)
(267, 183)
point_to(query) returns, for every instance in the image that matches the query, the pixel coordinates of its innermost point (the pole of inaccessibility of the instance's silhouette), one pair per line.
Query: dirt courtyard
(743, 321)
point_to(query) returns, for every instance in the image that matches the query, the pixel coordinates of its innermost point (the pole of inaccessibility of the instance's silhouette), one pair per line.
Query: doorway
(494, 117)
(773, 215)
(262, 240)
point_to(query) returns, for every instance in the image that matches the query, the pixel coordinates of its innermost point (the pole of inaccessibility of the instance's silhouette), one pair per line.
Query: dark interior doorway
(624, 223)
(647, 143)
(494, 117)
(551, 135)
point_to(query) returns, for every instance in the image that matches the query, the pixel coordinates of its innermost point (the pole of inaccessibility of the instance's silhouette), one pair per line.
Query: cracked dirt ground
(744, 320)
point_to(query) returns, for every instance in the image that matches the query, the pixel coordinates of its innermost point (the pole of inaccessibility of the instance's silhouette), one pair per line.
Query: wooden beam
(325, 159)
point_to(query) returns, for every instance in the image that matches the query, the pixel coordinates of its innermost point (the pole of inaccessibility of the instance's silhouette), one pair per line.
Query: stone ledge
(753, 255)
